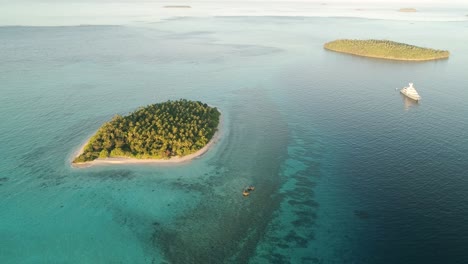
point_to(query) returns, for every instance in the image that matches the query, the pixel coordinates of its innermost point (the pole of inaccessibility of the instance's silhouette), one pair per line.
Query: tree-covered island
(157, 131)
(385, 49)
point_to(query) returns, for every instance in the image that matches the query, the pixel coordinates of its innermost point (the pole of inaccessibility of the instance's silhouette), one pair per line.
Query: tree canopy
(385, 49)
(157, 131)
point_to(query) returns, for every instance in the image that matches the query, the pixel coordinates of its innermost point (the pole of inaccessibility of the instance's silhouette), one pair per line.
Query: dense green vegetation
(158, 131)
(385, 49)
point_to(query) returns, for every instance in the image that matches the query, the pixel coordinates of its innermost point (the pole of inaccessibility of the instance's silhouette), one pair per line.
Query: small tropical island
(386, 49)
(169, 131)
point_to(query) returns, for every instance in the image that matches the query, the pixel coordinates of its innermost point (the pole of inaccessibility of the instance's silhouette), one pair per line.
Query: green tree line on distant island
(157, 131)
(385, 49)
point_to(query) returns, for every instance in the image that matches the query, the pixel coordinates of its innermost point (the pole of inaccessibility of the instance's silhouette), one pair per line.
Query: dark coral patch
(361, 214)
(293, 237)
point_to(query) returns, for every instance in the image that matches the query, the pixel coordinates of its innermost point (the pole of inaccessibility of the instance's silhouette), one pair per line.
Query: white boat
(411, 92)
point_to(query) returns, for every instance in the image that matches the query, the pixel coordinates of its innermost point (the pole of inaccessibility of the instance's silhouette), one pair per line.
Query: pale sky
(233, 1)
(425, 2)
(78, 12)
(376, 2)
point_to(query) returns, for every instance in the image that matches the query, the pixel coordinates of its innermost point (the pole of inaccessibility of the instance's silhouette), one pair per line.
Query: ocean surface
(346, 169)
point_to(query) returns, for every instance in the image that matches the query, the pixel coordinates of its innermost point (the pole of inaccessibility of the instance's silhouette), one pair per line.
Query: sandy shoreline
(173, 160)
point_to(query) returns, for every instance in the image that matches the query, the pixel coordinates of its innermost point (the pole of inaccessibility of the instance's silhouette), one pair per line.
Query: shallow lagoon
(346, 169)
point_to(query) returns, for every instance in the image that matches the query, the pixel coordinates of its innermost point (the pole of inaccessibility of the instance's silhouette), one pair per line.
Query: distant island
(407, 10)
(177, 6)
(165, 131)
(385, 49)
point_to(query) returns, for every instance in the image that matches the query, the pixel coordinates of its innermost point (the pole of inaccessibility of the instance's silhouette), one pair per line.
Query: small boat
(247, 190)
(411, 92)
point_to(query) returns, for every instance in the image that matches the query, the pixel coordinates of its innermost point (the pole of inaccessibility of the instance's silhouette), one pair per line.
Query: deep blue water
(346, 169)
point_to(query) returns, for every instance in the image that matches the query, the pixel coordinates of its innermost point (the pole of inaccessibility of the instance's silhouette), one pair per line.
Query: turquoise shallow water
(346, 169)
